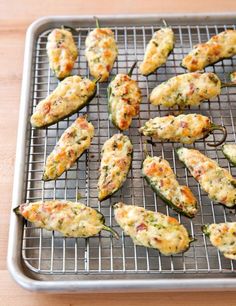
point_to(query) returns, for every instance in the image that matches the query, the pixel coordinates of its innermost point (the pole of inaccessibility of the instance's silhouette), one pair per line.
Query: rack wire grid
(47, 252)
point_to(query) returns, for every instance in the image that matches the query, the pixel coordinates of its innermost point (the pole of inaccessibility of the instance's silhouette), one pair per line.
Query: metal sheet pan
(43, 261)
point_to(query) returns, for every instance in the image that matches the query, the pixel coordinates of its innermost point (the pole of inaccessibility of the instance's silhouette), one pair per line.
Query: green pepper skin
(109, 106)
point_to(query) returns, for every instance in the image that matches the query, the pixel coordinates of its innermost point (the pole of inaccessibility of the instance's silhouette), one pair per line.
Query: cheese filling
(186, 89)
(73, 142)
(152, 229)
(101, 52)
(124, 101)
(217, 48)
(115, 165)
(217, 182)
(183, 128)
(162, 179)
(72, 94)
(157, 51)
(62, 52)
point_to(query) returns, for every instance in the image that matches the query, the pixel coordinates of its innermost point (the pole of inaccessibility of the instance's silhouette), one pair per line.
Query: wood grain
(15, 17)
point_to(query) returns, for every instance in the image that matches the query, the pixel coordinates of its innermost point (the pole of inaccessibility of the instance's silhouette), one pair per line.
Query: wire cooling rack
(46, 252)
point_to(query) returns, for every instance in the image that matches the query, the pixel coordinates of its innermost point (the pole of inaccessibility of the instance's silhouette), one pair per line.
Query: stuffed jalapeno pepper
(161, 178)
(157, 50)
(124, 97)
(115, 164)
(223, 237)
(71, 95)
(62, 52)
(217, 182)
(184, 129)
(71, 219)
(73, 142)
(219, 47)
(152, 229)
(101, 52)
(188, 89)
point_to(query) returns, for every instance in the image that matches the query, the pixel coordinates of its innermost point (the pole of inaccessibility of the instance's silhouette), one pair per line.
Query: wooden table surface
(15, 17)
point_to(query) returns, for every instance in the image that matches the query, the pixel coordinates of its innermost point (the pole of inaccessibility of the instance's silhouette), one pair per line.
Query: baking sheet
(91, 262)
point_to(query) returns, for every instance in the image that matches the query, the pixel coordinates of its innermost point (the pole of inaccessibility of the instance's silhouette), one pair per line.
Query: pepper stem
(145, 150)
(112, 231)
(97, 22)
(228, 84)
(85, 116)
(16, 210)
(204, 229)
(192, 239)
(73, 30)
(151, 142)
(215, 127)
(165, 23)
(132, 69)
(97, 79)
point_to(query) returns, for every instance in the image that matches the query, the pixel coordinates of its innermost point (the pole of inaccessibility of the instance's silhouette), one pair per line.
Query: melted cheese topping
(157, 51)
(162, 179)
(69, 218)
(223, 237)
(62, 52)
(216, 181)
(217, 48)
(183, 128)
(186, 89)
(101, 52)
(124, 100)
(229, 151)
(152, 229)
(72, 94)
(73, 142)
(115, 165)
